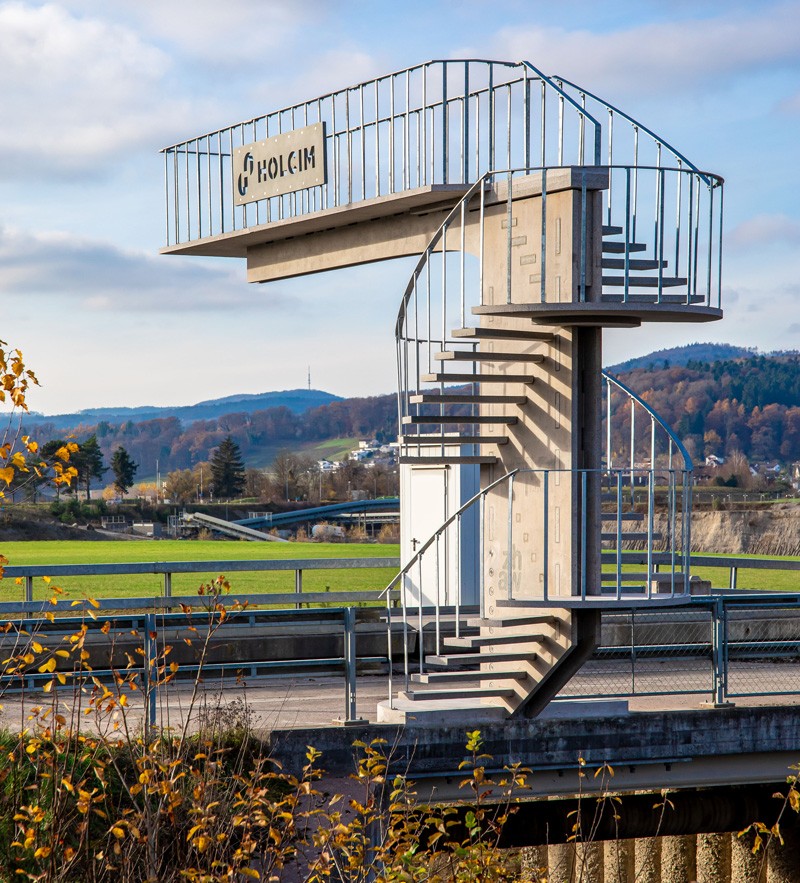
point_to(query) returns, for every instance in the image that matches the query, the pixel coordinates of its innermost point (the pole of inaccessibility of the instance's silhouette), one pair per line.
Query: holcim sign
(283, 164)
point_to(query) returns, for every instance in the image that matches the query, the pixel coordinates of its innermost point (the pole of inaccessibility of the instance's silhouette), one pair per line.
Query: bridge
(540, 214)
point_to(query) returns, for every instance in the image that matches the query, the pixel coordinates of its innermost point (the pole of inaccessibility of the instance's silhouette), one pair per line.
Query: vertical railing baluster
(510, 568)
(546, 534)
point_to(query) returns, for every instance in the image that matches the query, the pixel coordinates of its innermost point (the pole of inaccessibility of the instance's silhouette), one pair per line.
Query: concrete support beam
(678, 859)
(746, 867)
(713, 858)
(561, 862)
(618, 861)
(647, 860)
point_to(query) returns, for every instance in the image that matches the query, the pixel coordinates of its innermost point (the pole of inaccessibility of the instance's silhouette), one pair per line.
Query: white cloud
(661, 57)
(99, 277)
(763, 230)
(76, 90)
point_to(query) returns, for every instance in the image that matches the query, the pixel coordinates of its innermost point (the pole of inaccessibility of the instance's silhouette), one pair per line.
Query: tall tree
(227, 470)
(88, 460)
(124, 470)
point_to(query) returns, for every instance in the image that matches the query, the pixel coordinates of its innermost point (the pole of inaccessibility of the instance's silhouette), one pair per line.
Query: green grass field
(149, 585)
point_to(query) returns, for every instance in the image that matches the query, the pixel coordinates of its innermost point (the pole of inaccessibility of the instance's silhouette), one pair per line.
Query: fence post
(150, 674)
(29, 588)
(350, 669)
(719, 655)
(298, 587)
(167, 585)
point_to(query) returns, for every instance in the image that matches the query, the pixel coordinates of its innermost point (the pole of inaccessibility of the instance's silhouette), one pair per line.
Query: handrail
(640, 126)
(687, 460)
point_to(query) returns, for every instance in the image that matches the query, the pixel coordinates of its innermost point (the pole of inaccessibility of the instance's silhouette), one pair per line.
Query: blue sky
(91, 91)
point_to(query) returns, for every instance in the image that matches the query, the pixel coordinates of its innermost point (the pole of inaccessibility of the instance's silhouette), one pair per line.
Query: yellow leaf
(7, 474)
(48, 666)
(47, 687)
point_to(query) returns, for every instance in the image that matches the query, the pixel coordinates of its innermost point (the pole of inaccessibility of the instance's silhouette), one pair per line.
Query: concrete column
(589, 864)
(713, 858)
(678, 859)
(561, 862)
(783, 862)
(533, 862)
(746, 867)
(619, 861)
(647, 860)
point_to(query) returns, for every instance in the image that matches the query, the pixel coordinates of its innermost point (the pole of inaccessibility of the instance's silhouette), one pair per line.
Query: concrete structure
(525, 197)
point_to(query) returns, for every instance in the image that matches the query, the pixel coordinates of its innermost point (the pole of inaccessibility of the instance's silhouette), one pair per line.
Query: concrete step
(478, 378)
(481, 356)
(490, 640)
(444, 677)
(501, 334)
(465, 660)
(459, 693)
(610, 247)
(433, 398)
(431, 439)
(679, 300)
(633, 264)
(468, 459)
(624, 516)
(644, 281)
(483, 419)
(511, 621)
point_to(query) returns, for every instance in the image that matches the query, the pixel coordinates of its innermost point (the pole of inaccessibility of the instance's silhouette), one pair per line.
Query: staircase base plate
(441, 712)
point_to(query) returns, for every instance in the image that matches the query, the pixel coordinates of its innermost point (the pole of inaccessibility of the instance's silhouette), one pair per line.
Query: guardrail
(27, 574)
(147, 631)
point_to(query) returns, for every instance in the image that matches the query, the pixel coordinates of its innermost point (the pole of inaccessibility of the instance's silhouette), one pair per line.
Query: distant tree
(88, 460)
(124, 470)
(227, 470)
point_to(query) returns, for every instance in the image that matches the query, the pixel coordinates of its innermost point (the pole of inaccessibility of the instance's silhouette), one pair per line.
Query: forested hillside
(178, 446)
(751, 405)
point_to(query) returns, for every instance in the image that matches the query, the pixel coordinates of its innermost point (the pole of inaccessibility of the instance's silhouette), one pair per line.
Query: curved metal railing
(450, 278)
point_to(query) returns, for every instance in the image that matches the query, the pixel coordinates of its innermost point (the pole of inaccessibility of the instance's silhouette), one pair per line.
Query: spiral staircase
(540, 214)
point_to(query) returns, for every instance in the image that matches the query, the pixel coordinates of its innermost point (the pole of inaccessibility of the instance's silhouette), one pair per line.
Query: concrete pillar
(783, 862)
(561, 862)
(589, 864)
(678, 859)
(713, 858)
(533, 863)
(647, 860)
(746, 867)
(619, 861)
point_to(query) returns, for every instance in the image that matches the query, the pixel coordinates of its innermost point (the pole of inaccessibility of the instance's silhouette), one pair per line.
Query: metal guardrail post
(719, 655)
(28, 589)
(351, 718)
(298, 587)
(150, 673)
(167, 585)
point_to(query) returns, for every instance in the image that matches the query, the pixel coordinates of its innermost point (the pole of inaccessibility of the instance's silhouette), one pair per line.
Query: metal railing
(440, 122)
(146, 635)
(26, 574)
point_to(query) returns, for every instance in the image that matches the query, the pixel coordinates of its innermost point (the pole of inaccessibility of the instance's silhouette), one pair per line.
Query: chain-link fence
(721, 647)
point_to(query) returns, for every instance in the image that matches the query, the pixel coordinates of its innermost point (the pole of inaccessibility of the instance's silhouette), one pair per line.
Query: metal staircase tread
(434, 419)
(464, 660)
(645, 281)
(619, 247)
(483, 333)
(483, 356)
(633, 264)
(623, 516)
(455, 460)
(424, 439)
(434, 398)
(488, 640)
(477, 378)
(460, 693)
(611, 230)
